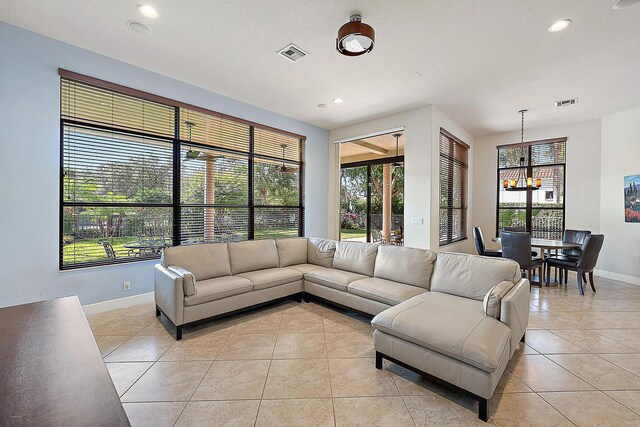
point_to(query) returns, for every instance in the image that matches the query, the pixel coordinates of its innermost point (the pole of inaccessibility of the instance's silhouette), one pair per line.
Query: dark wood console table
(51, 371)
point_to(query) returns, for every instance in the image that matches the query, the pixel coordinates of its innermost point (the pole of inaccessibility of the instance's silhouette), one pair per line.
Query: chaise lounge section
(456, 318)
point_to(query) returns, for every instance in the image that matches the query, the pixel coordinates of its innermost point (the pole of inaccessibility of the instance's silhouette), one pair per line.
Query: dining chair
(517, 246)
(480, 246)
(585, 263)
(573, 236)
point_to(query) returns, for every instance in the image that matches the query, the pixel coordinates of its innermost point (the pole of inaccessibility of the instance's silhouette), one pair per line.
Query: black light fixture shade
(355, 38)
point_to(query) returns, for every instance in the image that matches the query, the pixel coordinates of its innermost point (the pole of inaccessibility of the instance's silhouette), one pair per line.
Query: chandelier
(523, 182)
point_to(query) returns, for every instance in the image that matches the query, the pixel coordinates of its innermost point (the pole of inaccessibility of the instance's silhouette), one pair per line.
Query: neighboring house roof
(543, 173)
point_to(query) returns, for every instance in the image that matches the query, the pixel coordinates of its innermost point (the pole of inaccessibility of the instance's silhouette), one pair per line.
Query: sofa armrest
(169, 294)
(514, 311)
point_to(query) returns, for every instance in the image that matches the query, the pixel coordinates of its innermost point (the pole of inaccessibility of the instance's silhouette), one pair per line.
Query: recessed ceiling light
(148, 10)
(338, 100)
(623, 4)
(139, 27)
(559, 25)
(323, 106)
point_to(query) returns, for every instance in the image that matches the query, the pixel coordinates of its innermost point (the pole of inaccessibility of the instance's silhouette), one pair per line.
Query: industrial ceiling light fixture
(523, 182)
(397, 137)
(355, 38)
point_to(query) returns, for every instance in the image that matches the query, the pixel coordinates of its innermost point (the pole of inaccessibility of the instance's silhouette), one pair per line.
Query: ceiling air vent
(566, 102)
(292, 52)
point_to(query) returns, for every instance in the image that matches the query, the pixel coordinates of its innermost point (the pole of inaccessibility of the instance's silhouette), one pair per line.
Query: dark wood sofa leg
(483, 409)
(298, 297)
(523, 337)
(158, 311)
(178, 333)
(378, 360)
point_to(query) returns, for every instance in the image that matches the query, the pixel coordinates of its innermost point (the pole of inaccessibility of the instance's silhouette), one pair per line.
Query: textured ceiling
(480, 61)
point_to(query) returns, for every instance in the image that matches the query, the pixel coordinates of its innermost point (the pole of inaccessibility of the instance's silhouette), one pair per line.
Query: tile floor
(311, 364)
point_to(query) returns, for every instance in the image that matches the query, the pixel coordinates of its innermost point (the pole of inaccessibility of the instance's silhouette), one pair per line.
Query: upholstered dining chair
(517, 246)
(480, 246)
(573, 236)
(585, 263)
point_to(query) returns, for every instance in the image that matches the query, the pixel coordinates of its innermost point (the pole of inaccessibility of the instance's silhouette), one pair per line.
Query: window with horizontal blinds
(542, 211)
(454, 165)
(140, 173)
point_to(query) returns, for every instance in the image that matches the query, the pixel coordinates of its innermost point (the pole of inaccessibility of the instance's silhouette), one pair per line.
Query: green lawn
(352, 233)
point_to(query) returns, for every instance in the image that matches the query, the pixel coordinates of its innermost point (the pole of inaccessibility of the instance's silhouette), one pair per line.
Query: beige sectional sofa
(456, 318)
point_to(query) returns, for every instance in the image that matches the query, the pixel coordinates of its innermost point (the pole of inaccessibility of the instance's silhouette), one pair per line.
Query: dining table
(547, 244)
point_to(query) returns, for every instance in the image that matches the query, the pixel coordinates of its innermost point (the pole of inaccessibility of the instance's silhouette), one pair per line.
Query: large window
(454, 169)
(541, 212)
(140, 173)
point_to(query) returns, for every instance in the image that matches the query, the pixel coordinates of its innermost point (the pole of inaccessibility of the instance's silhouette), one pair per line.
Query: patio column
(386, 202)
(209, 197)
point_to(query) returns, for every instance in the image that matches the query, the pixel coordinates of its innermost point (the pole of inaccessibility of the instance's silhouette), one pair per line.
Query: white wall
(422, 135)
(582, 203)
(620, 257)
(30, 151)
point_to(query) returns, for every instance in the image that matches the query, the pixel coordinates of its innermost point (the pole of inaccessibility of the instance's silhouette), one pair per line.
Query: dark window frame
(177, 144)
(453, 140)
(528, 206)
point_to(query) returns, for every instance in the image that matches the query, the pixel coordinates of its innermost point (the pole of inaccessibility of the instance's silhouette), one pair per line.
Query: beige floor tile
(200, 347)
(126, 326)
(100, 319)
(124, 375)
(259, 325)
(371, 411)
(301, 378)
(541, 374)
(141, 349)
(509, 383)
(142, 310)
(549, 343)
(108, 343)
(233, 379)
(436, 410)
(237, 413)
(591, 408)
(295, 413)
(524, 409)
(153, 414)
(157, 327)
(598, 372)
(342, 325)
(593, 342)
(248, 346)
(628, 337)
(302, 324)
(629, 398)
(352, 344)
(300, 346)
(628, 362)
(359, 377)
(168, 382)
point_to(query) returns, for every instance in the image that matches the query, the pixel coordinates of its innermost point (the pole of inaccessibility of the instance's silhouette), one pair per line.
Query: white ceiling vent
(566, 102)
(292, 52)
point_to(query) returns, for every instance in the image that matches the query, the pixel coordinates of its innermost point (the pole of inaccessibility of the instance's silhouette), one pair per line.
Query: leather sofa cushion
(218, 288)
(356, 257)
(405, 265)
(384, 291)
(253, 255)
(493, 299)
(332, 278)
(465, 335)
(204, 261)
(188, 281)
(292, 251)
(305, 268)
(471, 276)
(320, 251)
(271, 277)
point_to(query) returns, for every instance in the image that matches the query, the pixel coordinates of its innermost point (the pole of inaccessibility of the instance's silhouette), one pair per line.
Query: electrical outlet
(126, 286)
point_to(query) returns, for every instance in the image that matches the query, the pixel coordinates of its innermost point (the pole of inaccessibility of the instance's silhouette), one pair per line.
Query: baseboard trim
(617, 276)
(115, 304)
